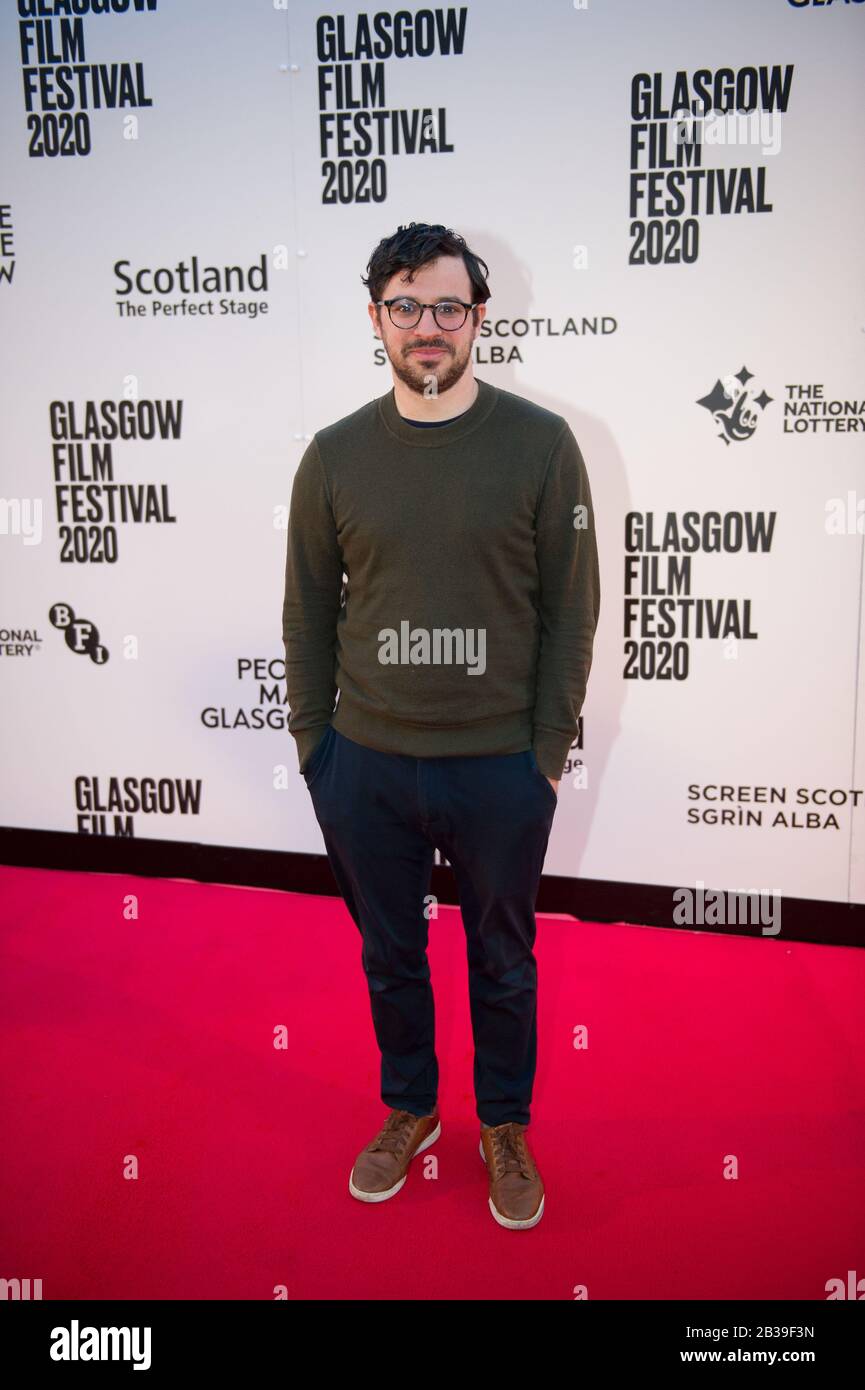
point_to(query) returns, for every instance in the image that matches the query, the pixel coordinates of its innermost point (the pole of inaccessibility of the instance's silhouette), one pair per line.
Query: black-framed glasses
(407, 313)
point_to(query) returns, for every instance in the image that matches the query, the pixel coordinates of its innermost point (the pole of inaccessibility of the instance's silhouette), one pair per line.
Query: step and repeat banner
(669, 197)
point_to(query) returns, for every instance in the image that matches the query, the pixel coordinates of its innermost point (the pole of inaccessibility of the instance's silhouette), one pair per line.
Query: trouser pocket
(319, 753)
(538, 774)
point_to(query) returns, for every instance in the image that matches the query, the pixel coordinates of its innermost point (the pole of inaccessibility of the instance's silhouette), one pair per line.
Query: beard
(415, 373)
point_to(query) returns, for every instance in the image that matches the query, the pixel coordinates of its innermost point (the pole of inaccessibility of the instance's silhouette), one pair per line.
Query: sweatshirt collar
(444, 434)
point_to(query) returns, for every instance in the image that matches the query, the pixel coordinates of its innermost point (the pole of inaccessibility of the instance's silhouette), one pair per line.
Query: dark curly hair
(412, 247)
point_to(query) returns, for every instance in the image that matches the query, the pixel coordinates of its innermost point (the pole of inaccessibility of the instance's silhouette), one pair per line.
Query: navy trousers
(382, 816)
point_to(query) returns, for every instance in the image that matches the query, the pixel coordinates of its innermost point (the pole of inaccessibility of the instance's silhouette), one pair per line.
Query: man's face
(411, 351)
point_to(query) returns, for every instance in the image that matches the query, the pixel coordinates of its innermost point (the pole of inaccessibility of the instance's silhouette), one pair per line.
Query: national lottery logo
(732, 403)
(82, 636)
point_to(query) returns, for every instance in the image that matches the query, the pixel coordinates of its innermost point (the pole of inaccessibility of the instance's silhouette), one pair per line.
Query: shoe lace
(510, 1154)
(393, 1136)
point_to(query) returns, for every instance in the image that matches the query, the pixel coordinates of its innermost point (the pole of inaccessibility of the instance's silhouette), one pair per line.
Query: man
(442, 577)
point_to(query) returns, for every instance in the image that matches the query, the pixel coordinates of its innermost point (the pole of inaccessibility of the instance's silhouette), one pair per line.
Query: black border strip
(587, 899)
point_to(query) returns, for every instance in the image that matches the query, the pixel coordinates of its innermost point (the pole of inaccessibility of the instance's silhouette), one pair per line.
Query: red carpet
(152, 1037)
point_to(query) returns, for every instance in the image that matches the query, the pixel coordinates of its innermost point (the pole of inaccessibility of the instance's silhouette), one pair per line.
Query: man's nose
(433, 323)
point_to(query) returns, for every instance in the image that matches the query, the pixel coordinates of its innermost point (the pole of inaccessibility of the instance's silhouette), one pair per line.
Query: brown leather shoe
(516, 1188)
(380, 1169)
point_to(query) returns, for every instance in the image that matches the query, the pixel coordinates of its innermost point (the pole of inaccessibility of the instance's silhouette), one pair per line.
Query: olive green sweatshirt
(444, 582)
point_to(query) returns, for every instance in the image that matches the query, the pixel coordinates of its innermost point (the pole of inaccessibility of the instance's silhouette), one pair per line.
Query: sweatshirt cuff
(551, 752)
(307, 740)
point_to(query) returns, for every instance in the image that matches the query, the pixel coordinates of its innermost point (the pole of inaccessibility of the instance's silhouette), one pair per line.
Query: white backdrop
(142, 661)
